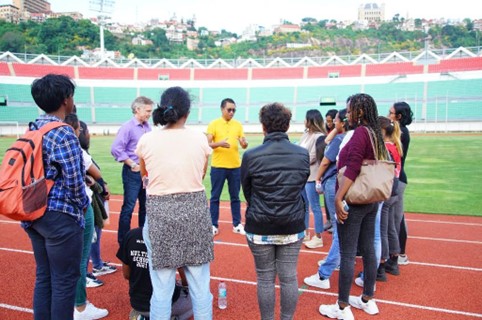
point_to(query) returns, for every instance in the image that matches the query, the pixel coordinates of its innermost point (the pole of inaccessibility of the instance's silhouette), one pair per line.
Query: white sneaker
(333, 311)
(307, 237)
(215, 231)
(90, 312)
(322, 261)
(369, 307)
(239, 229)
(315, 242)
(105, 269)
(92, 282)
(402, 260)
(359, 282)
(315, 281)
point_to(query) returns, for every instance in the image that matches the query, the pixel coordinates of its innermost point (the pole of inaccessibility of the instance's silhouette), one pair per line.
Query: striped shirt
(62, 157)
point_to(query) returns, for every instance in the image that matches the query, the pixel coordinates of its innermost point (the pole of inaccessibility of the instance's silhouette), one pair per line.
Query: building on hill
(9, 13)
(287, 28)
(32, 6)
(371, 12)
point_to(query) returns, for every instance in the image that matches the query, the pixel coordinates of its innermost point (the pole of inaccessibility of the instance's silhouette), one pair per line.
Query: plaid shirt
(62, 157)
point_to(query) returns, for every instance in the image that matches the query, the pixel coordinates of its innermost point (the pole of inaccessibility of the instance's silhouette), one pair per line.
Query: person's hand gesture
(243, 142)
(224, 143)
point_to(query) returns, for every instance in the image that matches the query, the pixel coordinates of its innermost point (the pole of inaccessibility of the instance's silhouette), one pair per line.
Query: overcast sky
(235, 16)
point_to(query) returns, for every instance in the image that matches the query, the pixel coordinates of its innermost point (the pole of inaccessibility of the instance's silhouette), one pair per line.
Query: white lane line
(445, 239)
(302, 289)
(471, 224)
(396, 303)
(325, 253)
(229, 222)
(233, 244)
(410, 237)
(10, 307)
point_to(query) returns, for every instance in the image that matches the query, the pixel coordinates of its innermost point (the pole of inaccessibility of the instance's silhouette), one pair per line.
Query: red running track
(442, 281)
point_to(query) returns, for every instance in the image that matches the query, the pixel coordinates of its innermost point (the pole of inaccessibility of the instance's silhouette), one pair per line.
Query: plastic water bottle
(222, 295)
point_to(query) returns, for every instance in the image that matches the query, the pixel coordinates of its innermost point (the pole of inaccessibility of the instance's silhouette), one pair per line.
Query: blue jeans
(133, 190)
(272, 260)
(57, 245)
(80, 292)
(95, 250)
(314, 203)
(218, 176)
(163, 283)
(378, 237)
(357, 231)
(333, 259)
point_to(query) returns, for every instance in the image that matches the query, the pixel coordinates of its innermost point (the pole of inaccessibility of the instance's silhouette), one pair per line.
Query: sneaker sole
(309, 246)
(94, 285)
(356, 306)
(103, 273)
(317, 286)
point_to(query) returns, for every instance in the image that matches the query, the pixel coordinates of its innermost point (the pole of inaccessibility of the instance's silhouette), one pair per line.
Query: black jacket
(273, 176)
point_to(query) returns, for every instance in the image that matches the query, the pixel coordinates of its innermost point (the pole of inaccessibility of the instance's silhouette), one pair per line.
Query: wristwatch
(133, 165)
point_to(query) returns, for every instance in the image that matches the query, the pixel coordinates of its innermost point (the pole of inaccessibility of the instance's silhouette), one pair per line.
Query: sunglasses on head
(233, 110)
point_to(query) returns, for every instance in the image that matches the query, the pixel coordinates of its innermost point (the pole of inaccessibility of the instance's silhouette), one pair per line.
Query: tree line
(67, 37)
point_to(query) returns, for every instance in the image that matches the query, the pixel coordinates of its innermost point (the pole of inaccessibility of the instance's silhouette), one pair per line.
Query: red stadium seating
(39, 70)
(4, 71)
(273, 73)
(277, 73)
(453, 65)
(166, 74)
(395, 68)
(221, 74)
(106, 73)
(343, 71)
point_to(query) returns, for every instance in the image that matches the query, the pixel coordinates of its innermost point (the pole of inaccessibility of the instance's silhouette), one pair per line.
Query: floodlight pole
(101, 27)
(103, 7)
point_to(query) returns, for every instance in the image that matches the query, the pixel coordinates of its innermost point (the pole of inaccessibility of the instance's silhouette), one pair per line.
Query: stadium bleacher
(451, 95)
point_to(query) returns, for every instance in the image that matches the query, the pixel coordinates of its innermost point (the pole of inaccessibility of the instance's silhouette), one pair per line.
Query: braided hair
(364, 111)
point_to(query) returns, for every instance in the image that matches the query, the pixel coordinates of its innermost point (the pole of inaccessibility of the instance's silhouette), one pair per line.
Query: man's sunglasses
(231, 110)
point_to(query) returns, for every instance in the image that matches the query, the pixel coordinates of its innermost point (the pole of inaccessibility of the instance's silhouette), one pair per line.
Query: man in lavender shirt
(123, 149)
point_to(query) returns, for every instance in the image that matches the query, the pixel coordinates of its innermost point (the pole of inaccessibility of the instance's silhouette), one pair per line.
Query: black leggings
(402, 236)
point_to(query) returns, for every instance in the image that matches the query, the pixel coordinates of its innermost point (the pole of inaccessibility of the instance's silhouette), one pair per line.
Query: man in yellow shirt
(224, 134)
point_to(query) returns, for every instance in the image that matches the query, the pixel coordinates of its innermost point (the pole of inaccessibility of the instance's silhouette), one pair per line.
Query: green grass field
(443, 171)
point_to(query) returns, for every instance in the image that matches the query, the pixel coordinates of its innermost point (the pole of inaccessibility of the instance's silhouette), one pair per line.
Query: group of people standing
(163, 169)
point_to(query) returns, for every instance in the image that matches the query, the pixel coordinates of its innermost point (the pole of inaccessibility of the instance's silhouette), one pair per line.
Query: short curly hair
(275, 117)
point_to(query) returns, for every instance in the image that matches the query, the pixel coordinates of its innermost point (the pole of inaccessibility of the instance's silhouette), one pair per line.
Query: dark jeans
(57, 245)
(218, 176)
(272, 260)
(357, 231)
(95, 250)
(388, 230)
(133, 190)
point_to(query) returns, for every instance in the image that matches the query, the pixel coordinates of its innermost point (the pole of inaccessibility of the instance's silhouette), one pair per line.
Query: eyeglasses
(229, 110)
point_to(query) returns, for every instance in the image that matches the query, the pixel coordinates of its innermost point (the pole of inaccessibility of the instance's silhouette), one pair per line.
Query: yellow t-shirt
(221, 129)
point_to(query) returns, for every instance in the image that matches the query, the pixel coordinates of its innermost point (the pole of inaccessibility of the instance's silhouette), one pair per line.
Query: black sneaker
(391, 266)
(381, 275)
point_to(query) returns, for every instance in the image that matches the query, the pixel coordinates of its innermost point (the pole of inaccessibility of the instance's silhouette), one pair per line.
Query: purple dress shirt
(125, 142)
